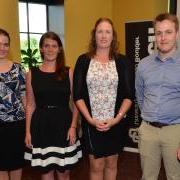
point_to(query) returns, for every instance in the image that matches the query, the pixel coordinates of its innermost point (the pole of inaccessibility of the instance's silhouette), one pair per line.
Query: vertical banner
(139, 44)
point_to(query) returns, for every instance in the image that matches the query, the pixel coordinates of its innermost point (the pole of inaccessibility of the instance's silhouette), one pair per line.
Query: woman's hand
(71, 136)
(109, 124)
(28, 140)
(178, 154)
(100, 125)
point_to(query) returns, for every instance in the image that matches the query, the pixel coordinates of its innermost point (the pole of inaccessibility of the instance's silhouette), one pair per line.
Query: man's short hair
(167, 16)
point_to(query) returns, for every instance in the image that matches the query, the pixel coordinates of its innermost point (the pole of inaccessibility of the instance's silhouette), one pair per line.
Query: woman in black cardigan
(103, 95)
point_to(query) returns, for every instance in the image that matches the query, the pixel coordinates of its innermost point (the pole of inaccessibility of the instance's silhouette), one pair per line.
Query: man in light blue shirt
(158, 96)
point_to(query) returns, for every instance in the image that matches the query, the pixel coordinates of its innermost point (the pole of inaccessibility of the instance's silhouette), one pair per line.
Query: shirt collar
(174, 57)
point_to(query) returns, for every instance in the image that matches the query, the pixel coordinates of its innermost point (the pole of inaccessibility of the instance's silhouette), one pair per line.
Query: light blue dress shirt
(158, 88)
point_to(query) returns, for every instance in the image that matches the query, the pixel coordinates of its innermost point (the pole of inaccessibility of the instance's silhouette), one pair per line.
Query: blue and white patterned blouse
(12, 89)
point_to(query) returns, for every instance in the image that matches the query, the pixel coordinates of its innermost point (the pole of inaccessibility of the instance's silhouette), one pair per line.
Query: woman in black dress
(103, 95)
(50, 125)
(12, 115)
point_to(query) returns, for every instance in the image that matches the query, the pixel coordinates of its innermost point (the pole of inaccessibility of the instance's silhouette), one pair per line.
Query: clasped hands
(104, 125)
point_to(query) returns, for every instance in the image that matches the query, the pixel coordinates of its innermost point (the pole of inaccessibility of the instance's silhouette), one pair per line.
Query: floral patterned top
(12, 89)
(102, 82)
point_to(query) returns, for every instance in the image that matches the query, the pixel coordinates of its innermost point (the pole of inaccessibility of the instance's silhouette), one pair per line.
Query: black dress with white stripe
(50, 123)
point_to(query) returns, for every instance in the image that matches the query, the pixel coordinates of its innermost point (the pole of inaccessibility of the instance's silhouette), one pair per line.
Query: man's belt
(157, 124)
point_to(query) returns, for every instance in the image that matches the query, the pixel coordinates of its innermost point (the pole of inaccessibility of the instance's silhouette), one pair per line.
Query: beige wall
(9, 22)
(80, 16)
(131, 10)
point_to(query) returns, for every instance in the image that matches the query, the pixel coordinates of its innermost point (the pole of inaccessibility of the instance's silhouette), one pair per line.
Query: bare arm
(83, 108)
(178, 153)
(126, 104)
(30, 107)
(100, 125)
(72, 130)
(75, 111)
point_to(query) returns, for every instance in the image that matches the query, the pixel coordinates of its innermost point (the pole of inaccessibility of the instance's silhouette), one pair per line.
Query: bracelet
(121, 114)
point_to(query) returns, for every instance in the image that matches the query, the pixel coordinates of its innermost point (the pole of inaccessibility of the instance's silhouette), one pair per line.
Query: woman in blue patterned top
(12, 116)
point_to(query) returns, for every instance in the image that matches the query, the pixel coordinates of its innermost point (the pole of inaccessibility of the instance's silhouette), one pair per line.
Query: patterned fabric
(102, 82)
(12, 89)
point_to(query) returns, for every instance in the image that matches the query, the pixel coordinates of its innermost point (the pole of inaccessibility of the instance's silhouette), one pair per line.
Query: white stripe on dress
(56, 149)
(56, 160)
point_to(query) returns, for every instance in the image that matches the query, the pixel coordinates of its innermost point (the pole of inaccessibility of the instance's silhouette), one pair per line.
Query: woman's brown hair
(114, 48)
(61, 69)
(5, 33)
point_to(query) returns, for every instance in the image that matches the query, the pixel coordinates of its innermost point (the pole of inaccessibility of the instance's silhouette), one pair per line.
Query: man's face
(166, 36)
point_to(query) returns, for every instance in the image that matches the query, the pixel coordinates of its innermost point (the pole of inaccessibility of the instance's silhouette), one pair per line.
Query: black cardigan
(80, 90)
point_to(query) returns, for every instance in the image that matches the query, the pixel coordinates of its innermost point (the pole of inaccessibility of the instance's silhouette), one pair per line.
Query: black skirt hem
(55, 167)
(99, 155)
(20, 166)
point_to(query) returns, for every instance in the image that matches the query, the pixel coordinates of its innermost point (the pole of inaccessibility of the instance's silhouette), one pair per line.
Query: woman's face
(50, 49)
(104, 35)
(4, 46)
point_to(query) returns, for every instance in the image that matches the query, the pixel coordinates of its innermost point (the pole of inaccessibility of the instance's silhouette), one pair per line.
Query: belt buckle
(51, 107)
